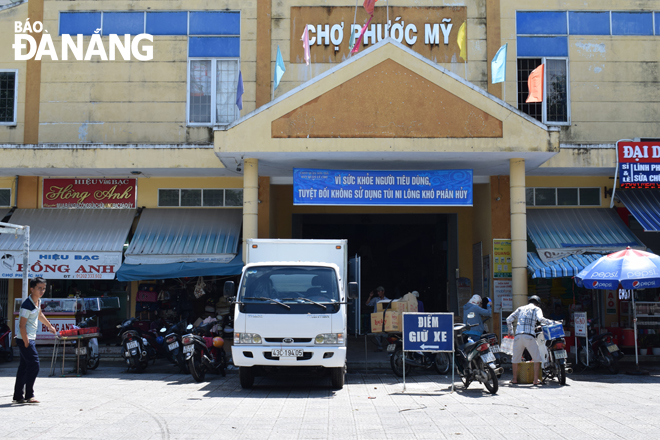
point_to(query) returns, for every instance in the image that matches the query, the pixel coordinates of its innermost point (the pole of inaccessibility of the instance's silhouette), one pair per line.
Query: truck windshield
(290, 285)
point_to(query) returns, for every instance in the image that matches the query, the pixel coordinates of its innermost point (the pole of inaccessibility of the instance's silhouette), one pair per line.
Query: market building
(441, 180)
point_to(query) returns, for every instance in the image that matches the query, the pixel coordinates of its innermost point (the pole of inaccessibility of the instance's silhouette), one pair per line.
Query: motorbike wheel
(491, 383)
(93, 362)
(10, 355)
(197, 369)
(442, 363)
(223, 363)
(561, 373)
(246, 377)
(140, 365)
(582, 358)
(83, 365)
(612, 364)
(183, 365)
(396, 362)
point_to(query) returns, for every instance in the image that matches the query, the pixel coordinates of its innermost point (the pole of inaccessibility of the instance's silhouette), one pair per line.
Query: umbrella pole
(632, 293)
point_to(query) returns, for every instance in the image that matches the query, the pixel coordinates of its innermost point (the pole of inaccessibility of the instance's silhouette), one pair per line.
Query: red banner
(90, 193)
(638, 152)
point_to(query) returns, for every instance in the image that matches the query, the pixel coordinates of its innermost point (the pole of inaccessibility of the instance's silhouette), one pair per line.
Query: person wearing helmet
(526, 318)
(474, 306)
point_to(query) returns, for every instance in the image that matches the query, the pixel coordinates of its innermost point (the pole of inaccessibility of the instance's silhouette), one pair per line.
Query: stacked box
(397, 306)
(553, 331)
(526, 372)
(393, 322)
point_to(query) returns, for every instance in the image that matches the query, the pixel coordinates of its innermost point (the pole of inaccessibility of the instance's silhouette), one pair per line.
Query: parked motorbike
(553, 357)
(89, 352)
(474, 359)
(601, 351)
(136, 349)
(6, 349)
(204, 351)
(440, 361)
(501, 358)
(173, 343)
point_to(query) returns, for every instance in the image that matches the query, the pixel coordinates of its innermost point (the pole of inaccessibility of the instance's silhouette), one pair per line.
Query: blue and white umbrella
(630, 268)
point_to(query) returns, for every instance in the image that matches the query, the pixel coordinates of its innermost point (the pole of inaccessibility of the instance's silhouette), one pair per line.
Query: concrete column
(250, 201)
(518, 231)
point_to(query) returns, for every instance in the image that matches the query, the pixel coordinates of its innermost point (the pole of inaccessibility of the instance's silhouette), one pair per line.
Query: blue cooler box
(553, 331)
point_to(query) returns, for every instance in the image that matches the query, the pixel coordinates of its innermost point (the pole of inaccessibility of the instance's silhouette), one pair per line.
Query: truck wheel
(337, 376)
(246, 377)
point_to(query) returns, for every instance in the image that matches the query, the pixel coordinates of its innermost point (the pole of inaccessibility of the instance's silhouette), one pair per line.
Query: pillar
(250, 201)
(518, 231)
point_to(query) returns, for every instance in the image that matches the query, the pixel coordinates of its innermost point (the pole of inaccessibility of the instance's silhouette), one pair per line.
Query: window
(554, 110)
(5, 197)
(8, 96)
(191, 197)
(212, 91)
(562, 196)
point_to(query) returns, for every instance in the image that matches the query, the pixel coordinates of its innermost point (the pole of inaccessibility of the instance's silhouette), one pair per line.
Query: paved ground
(160, 404)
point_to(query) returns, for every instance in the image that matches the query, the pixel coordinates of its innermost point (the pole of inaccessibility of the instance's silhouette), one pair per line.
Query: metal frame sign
(580, 323)
(428, 332)
(502, 258)
(382, 188)
(90, 193)
(62, 265)
(639, 164)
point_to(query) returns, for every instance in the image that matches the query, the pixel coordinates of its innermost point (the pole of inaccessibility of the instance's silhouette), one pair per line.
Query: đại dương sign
(90, 193)
(639, 164)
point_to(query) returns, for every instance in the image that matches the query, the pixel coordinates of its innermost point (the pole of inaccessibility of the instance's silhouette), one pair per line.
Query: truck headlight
(247, 338)
(329, 338)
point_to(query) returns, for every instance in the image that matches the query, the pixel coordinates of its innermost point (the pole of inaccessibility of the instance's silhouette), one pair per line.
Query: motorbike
(440, 361)
(89, 353)
(501, 357)
(204, 352)
(174, 347)
(6, 349)
(474, 359)
(137, 350)
(601, 351)
(553, 357)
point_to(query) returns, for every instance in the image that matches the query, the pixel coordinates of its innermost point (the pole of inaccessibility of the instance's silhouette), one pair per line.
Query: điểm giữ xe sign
(382, 188)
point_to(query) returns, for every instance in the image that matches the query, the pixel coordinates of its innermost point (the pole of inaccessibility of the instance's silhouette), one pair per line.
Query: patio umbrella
(630, 268)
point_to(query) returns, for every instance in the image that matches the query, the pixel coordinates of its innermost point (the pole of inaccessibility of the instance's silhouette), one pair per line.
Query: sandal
(32, 400)
(18, 401)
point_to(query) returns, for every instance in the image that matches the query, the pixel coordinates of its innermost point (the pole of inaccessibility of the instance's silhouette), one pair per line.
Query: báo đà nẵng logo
(95, 47)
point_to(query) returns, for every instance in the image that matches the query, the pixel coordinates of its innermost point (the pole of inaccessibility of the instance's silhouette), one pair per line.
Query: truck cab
(291, 309)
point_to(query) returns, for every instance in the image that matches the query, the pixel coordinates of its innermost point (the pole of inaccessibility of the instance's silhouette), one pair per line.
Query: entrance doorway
(401, 252)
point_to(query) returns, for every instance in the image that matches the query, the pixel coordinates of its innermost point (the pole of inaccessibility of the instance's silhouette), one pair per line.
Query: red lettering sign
(90, 193)
(638, 152)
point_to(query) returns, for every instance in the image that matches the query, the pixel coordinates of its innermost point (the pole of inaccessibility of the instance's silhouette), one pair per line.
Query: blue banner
(382, 188)
(428, 332)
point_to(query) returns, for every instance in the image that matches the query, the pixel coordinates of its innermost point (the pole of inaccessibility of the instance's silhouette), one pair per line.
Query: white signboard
(580, 324)
(503, 294)
(59, 323)
(62, 265)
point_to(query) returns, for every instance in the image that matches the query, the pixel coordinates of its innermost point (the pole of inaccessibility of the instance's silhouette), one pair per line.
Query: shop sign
(502, 257)
(62, 265)
(639, 164)
(43, 334)
(610, 302)
(382, 188)
(430, 31)
(580, 319)
(503, 294)
(90, 193)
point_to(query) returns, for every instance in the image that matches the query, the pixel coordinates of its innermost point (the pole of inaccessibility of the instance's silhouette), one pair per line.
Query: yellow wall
(148, 187)
(573, 182)
(13, 133)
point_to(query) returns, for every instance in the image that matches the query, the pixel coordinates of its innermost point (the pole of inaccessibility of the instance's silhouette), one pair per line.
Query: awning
(644, 205)
(68, 243)
(165, 236)
(138, 272)
(559, 233)
(3, 212)
(564, 267)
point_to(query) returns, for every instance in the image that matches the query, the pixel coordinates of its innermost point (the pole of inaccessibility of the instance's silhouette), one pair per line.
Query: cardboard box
(396, 305)
(553, 331)
(393, 322)
(411, 300)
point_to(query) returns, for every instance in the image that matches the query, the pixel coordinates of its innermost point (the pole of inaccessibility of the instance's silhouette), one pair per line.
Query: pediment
(388, 100)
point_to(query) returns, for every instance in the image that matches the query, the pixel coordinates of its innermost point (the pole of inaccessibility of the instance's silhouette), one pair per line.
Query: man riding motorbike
(474, 306)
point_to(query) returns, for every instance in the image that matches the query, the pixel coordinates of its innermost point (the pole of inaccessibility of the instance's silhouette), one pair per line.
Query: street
(159, 404)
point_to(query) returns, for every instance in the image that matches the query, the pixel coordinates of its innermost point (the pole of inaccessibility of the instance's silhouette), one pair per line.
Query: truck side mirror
(353, 290)
(228, 289)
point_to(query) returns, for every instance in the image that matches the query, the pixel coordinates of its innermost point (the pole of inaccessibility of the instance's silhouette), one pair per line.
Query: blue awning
(139, 272)
(644, 205)
(564, 267)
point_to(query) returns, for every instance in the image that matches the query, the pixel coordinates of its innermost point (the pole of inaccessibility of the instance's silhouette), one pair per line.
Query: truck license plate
(287, 352)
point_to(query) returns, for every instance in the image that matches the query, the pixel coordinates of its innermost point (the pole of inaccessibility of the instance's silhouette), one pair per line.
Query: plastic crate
(86, 331)
(553, 331)
(72, 332)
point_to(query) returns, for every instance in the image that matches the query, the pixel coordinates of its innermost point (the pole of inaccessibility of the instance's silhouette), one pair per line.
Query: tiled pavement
(110, 403)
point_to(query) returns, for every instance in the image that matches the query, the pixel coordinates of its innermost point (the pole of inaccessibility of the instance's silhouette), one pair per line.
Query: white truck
(291, 308)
